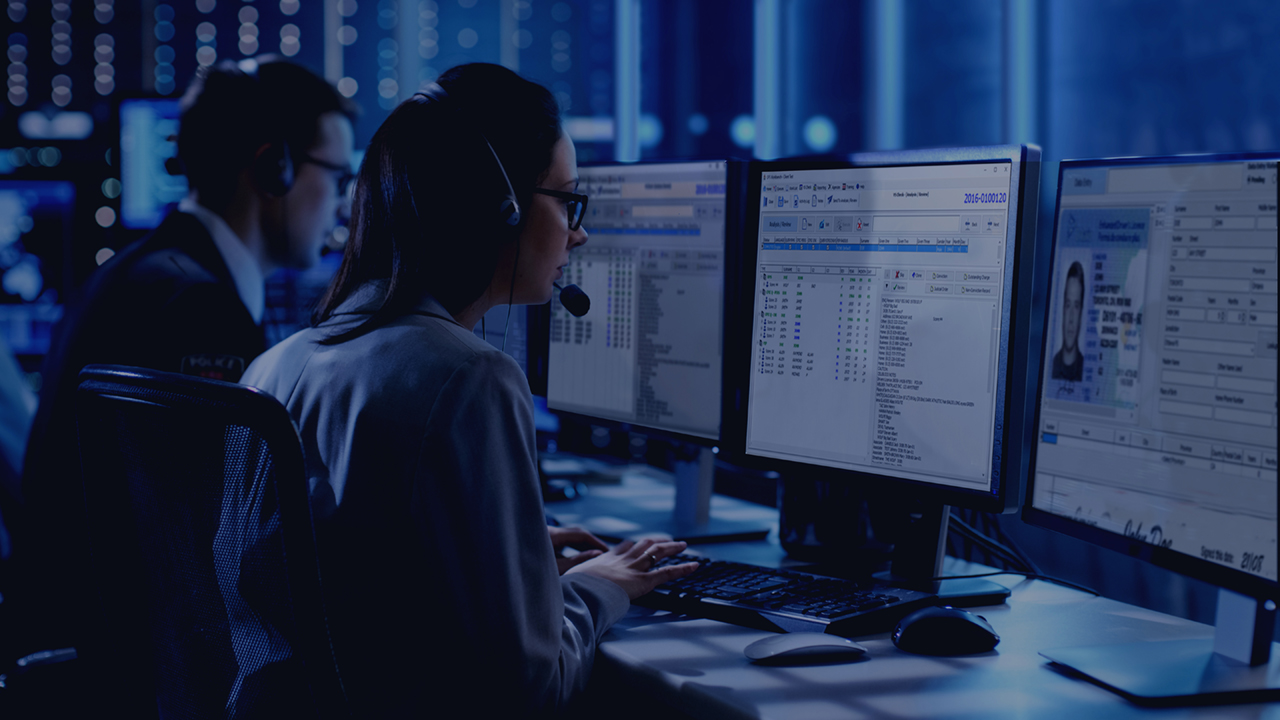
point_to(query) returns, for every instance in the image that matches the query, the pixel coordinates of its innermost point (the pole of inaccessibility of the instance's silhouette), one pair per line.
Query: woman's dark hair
(232, 109)
(425, 212)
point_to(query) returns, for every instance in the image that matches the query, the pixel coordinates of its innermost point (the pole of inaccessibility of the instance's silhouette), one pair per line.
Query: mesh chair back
(203, 550)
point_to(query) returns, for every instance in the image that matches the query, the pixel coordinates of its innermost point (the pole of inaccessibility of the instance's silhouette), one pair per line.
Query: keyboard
(784, 600)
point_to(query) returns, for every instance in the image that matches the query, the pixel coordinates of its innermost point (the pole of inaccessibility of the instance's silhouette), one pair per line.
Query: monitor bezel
(539, 316)
(1006, 497)
(1179, 562)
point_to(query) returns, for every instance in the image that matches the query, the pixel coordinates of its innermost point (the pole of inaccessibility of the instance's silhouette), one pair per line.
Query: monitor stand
(855, 537)
(917, 558)
(1236, 665)
(681, 509)
(695, 477)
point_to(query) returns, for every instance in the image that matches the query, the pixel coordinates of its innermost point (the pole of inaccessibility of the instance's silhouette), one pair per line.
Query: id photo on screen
(1068, 362)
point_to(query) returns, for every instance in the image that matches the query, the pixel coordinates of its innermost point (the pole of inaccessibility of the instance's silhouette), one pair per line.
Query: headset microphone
(574, 300)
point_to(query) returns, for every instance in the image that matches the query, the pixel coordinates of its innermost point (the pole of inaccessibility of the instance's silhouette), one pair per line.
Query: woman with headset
(439, 569)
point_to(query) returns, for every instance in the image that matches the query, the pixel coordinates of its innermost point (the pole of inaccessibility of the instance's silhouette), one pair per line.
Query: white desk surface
(698, 666)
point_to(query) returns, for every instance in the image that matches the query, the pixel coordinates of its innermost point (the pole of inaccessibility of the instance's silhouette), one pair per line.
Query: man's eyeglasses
(575, 203)
(345, 176)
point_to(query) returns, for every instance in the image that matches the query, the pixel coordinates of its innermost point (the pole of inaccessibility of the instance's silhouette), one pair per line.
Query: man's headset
(273, 165)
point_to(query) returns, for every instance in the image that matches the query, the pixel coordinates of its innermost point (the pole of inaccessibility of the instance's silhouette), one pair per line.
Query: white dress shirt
(247, 275)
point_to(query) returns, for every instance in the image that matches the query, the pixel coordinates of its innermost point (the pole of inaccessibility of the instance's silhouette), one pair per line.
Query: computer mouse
(802, 645)
(944, 631)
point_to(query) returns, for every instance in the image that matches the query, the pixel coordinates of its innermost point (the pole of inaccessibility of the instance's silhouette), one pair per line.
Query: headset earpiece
(273, 169)
(509, 212)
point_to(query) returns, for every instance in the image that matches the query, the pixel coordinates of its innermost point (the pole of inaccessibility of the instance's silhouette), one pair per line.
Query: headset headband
(509, 211)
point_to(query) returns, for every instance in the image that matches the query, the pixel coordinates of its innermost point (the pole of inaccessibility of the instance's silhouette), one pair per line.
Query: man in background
(266, 147)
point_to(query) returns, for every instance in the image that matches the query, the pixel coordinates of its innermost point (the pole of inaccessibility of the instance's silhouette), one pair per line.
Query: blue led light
(650, 130)
(743, 131)
(820, 133)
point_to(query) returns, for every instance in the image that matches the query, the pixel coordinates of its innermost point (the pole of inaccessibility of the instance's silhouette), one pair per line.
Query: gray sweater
(440, 576)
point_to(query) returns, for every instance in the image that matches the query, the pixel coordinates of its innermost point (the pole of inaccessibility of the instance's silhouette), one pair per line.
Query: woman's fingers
(564, 563)
(649, 552)
(673, 572)
(667, 549)
(641, 549)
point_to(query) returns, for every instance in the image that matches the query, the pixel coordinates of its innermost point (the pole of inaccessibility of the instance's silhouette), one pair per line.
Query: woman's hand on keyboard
(631, 565)
(579, 539)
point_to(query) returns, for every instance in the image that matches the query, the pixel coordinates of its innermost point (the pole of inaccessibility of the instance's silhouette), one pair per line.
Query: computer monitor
(648, 354)
(883, 309)
(1156, 410)
(148, 139)
(35, 238)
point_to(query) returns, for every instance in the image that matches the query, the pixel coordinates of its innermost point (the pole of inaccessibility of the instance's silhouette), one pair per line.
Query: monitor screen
(882, 318)
(35, 230)
(148, 137)
(649, 351)
(1157, 404)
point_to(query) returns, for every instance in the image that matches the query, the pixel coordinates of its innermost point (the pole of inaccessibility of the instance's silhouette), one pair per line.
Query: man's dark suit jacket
(166, 302)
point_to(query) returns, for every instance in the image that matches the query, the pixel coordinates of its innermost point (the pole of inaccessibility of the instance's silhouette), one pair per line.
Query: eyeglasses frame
(567, 196)
(344, 179)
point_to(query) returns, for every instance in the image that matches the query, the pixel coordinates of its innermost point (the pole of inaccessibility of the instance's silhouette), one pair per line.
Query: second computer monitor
(888, 302)
(648, 352)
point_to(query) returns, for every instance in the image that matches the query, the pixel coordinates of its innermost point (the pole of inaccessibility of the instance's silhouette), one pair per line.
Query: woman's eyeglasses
(575, 203)
(344, 174)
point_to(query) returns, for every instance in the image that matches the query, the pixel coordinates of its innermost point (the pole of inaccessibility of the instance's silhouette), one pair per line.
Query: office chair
(203, 551)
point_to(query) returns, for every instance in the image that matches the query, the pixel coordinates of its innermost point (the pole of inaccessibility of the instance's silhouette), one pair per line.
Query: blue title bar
(866, 248)
(645, 231)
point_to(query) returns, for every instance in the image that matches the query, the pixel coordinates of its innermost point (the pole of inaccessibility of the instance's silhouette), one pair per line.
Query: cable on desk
(991, 520)
(1010, 557)
(986, 525)
(969, 543)
(1027, 575)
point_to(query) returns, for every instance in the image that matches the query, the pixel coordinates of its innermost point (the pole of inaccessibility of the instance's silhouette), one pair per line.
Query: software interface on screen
(649, 351)
(35, 222)
(1158, 413)
(877, 322)
(148, 137)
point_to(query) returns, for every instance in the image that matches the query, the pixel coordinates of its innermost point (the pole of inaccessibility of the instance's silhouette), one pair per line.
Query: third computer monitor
(1157, 408)
(648, 353)
(887, 302)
